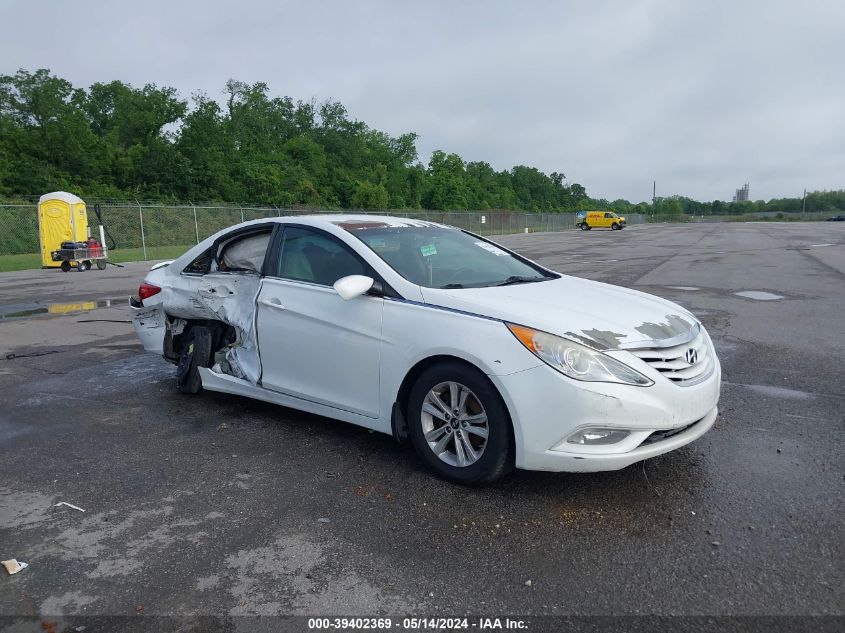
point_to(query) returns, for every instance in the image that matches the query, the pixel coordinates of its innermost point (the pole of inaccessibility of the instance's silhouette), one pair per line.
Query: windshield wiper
(518, 279)
(451, 286)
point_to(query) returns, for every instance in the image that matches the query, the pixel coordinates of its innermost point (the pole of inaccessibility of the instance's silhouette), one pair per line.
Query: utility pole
(653, 196)
(803, 204)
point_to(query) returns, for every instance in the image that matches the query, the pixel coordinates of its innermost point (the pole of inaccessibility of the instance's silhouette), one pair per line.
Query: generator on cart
(64, 234)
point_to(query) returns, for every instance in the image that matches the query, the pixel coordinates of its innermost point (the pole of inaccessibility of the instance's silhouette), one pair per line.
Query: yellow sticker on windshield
(428, 250)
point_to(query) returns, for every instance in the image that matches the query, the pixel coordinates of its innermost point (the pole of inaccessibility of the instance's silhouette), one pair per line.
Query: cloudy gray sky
(701, 96)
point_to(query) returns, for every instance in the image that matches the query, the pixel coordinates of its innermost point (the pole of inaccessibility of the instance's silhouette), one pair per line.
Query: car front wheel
(585, 226)
(459, 425)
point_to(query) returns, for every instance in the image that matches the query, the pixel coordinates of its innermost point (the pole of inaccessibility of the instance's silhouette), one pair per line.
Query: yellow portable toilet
(62, 217)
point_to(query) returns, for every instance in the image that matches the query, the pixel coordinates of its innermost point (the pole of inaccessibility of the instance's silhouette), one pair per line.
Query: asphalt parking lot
(222, 506)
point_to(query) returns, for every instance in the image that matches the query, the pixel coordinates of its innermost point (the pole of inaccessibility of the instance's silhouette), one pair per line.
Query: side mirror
(352, 286)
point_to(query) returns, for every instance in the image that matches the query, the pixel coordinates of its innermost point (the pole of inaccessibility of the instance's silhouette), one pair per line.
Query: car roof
(333, 222)
(357, 220)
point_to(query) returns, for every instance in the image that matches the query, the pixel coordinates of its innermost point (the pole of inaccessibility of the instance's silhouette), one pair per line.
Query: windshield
(438, 257)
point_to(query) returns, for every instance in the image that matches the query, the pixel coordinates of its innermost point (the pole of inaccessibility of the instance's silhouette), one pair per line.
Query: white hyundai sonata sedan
(484, 359)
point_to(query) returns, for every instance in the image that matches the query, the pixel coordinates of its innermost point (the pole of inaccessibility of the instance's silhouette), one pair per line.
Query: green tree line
(115, 141)
(816, 202)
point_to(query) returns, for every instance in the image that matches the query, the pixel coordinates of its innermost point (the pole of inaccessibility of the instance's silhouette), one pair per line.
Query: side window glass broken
(202, 264)
(244, 254)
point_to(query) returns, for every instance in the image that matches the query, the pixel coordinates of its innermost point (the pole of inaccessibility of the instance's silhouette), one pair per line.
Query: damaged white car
(482, 358)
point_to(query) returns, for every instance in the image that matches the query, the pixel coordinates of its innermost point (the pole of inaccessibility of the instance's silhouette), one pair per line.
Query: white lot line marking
(803, 417)
(777, 392)
(69, 505)
(820, 245)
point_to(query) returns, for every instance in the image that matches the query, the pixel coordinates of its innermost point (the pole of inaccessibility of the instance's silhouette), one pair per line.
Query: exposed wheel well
(220, 334)
(399, 416)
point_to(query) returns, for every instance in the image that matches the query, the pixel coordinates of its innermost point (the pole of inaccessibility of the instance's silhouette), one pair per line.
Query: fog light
(598, 436)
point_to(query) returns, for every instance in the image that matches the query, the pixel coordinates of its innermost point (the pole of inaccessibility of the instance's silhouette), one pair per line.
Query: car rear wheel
(459, 425)
(195, 353)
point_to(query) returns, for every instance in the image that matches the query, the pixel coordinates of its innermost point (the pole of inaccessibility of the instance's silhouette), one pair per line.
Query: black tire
(65, 266)
(195, 353)
(83, 266)
(497, 457)
(101, 264)
(614, 227)
(585, 226)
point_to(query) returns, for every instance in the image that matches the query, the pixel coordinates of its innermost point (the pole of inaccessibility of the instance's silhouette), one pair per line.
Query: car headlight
(576, 361)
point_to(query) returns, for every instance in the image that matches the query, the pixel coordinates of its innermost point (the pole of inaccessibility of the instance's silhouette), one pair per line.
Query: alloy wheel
(455, 424)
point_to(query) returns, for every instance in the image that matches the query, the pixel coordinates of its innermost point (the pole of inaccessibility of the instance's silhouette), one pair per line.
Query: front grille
(672, 361)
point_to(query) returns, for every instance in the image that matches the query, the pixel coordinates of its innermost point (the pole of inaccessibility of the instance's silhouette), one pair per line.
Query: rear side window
(245, 254)
(202, 264)
(311, 256)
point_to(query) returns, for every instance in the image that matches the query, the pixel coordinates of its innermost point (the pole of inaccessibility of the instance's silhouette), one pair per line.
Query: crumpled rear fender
(150, 325)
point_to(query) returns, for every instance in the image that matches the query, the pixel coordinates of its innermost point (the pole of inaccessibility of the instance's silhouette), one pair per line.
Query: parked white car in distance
(482, 358)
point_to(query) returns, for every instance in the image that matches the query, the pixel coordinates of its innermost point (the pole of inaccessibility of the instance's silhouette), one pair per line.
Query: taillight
(146, 290)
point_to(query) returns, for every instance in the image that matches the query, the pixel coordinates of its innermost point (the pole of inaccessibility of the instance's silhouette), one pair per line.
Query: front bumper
(547, 408)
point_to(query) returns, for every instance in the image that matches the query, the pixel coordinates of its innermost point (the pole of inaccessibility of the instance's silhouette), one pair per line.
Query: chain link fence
(156, 229)
(153, 230)
(18, 229)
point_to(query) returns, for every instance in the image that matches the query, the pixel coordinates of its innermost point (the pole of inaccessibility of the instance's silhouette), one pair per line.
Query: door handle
(272, 303)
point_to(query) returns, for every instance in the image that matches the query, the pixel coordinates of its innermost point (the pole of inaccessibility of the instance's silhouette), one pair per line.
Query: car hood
(597, 314)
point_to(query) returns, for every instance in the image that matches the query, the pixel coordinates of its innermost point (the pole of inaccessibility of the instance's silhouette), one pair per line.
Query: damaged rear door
(314, 345)
(230, 297)
(227, 293)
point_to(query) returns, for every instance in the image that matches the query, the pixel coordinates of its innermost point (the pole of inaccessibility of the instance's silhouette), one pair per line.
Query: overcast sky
(702, 96)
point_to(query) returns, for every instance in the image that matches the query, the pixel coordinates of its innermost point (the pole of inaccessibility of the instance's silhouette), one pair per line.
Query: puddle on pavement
(27, 310)
(758, 295)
